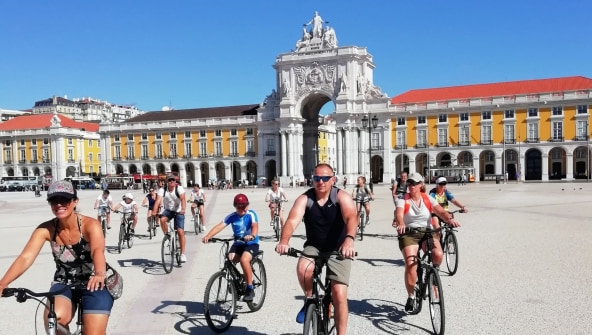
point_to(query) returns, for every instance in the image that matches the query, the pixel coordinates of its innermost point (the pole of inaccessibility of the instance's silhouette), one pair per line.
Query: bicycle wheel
(436, 300)
(276, 227)
(167, 254)
(329, 315)
(361, 225)
(451, 252)
(177, 249)
(150, 225)
(219, 302)
(121, 237)
(311, 320)
(130, 236)
(104, 227)
(259, 284)
(196, 224)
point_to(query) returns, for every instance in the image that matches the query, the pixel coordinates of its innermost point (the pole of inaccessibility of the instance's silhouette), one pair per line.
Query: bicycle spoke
(219, 302)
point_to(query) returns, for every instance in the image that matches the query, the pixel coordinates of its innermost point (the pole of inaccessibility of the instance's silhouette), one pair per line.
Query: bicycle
(276, 222)
(428, 277)
(197, 224)
(53, 327)
(151, 225)
(170, 249)
(449, 244)
(103, 214)
(362, 220)
(228, 286)
(319, 307)
(125, 232)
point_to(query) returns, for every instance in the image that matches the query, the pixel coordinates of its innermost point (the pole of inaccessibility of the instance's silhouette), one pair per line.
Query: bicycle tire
(436, 302)
(259, 284)
(451, 252)
(329, 313)
(130, 236)
(121, 237)
(196, 224)
(167, 255)
(177, 249)
(311, 320)
(104, 227)
(276, 227)
(219, 309)
(150, 225)
(361, 225)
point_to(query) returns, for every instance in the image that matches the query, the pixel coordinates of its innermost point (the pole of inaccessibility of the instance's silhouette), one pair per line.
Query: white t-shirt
(195, 196)
(127, 208)
(274, 196)
(104, 202)
(418, 215)
(170, 201)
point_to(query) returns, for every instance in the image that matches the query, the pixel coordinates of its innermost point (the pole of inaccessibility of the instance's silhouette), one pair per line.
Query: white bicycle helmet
(128, 196)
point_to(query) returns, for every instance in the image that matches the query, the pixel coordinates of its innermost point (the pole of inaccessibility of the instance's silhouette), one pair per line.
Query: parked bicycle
(276, 222)
(52, 326)
(428, 280)
(449, 244)
(228, 286)
(170, 249)
(319, 307)
(126, 234)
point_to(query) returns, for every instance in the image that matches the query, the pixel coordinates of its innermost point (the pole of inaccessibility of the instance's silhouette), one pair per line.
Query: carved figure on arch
(317, 25)
(343, 83)
(286, 87)
(55, 120)
(329, 38)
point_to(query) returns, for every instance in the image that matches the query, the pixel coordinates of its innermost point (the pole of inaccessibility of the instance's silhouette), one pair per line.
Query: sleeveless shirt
(325, 227)
(73, 262)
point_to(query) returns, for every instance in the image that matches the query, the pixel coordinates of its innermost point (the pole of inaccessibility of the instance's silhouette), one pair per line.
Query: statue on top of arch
(318, 37)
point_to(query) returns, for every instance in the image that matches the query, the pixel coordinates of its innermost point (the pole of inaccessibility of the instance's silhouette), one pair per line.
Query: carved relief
(315, 77)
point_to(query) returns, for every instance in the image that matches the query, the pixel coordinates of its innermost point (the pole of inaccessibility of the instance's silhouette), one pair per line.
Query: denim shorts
(239, 248)
(97, 302)
(179, 218)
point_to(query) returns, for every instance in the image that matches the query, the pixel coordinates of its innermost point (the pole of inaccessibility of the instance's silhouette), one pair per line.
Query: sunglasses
(151, 190)
(325, 179)
(275, 184)
(412, 183)
(442, 184)
(60, 201)
(170, 180)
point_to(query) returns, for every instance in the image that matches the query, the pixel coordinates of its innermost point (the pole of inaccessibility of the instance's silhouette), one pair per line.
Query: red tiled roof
(521, 87)
(42, 121)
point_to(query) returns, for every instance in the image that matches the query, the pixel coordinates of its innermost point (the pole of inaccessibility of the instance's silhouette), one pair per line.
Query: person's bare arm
(350, 217)
(293, 220)
(217, 228)
(92, 231)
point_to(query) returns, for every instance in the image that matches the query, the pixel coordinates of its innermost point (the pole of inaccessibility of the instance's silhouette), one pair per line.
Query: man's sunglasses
(325, 179)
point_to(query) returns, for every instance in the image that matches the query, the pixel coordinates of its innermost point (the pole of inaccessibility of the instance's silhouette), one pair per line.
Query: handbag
(114, 282)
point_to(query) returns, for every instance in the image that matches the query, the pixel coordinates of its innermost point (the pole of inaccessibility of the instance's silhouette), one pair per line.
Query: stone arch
(220, 171)
(24, 171)
(464, 158)
(443, 159)
(133, 169)
(10, 172)
(146, 169)
(580, 163)
(190, 173)
(235, 171)
(36, 171)
(486, 163)
(251, 172)
(47, 171)
(309, 107)
(557, 163)
(270, 169)
(175, 169)
(118, 169)
(377, 168)
(205, 173)
(533, 164)
(421, 164)
(405, 163)
(70, 171)
(160, 169)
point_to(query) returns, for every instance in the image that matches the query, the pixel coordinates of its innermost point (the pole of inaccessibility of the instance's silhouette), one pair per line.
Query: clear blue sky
(195, 54)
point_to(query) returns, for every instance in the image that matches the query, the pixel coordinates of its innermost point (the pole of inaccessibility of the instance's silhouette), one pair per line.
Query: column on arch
(569, 166)
(291, 155)
(346, 149)
(477, 168)
(284, 153)
(545, 166)
(339, 151)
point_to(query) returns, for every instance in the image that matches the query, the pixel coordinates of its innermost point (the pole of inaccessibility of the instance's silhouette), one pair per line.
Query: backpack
(176, 191)
(332, 197)
(426, 201)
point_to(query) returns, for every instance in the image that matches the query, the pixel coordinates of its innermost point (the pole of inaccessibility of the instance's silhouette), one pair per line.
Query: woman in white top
(129, 208)
(274, 196)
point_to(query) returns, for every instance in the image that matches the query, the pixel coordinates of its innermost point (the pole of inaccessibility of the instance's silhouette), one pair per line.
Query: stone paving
(524, 266)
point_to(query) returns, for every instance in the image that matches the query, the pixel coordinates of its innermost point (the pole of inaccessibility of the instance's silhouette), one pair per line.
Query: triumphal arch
(315, 73)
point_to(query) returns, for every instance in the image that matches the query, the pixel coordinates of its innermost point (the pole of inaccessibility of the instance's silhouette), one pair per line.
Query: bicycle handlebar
(22, 294)
(457, 211)
(232, 239)
(409, 231)
(293, 252)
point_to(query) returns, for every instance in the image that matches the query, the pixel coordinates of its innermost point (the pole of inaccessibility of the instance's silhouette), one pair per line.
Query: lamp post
(370, 124)
(587, 152)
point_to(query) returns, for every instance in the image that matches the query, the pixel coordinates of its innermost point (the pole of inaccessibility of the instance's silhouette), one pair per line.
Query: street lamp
(366, 125)
(587, 151)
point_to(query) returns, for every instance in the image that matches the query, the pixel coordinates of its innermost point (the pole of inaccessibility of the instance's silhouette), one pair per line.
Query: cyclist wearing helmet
(129, 208)
(245, 227)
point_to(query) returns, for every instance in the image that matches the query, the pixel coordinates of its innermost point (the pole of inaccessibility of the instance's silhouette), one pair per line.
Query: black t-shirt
(401, 187)
(325, 227)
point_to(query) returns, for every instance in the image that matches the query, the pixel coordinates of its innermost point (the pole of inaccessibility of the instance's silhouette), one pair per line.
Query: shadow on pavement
(382, 262)
(386, 316)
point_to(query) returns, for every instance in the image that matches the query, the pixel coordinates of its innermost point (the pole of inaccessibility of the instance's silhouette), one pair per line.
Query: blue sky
(193, 54)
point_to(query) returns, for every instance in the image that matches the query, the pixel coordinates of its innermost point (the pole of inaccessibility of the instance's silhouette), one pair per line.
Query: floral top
(73, 262)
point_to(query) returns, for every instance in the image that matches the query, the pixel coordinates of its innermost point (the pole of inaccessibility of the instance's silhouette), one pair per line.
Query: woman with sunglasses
(149, 200)
(415, 212)
(78, 248)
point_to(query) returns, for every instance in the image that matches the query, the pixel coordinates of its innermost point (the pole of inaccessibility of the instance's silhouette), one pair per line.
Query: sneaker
(183, 258)
(410, 305)
(301, 314)
(204, 228)
(132, 231)
(250, 295)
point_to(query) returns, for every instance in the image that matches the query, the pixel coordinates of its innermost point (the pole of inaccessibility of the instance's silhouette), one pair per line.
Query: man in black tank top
(331, 224)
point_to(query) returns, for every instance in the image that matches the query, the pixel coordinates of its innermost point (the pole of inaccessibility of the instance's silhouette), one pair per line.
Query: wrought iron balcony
(464, 143)
(486, 142)
(581, 138)
(398, 146)
(144, 158)
(556, 139)
(251, 153)
(45, 160)
(532, 140)
(34, 161)
(442, 144)
(173, 156)
(233, 154)
(117, 158)
(130, 158)
(187, 156)
(379, 147)
(8, 161)
(203, 156)
(159, 156)
(218, 154)
(421, 145)
(71, 161)
(509, 141)
(270, 153)
(22, 161)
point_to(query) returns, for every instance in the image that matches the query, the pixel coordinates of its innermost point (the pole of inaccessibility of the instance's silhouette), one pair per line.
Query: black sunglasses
(323, 178)
(412, 183)
(59, 201)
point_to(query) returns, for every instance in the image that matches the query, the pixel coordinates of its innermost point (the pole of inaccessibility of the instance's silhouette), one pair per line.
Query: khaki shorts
(411, 239)
(338, 269)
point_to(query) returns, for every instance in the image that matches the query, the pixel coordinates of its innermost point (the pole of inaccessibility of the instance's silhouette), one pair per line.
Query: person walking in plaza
(78, 248)
(245, 227)
(330, 219)
(172, 198)
(415, 212)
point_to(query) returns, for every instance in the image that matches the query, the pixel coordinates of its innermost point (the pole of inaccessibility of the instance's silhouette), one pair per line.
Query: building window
(233, 132)
(99, 157)
(556, 154)
(421, 138)
(7, 156)
(187, 134)
(250, 131)
(158, 151)
(421, 120)
(508, 133)
(442, 118)
(116, 138)
(532, 130)
(188, 150)
(581, 129)
(34, 141)
(173, 135)
(130, 152)
(218, 148)
(130, 137)
(23, 155)
(202, 133)
(464, 116)
(401, 136)
(144, 136)
(234, 148)
(173, 150)
(464, 135)
(218, 132)
(45, 155)
(511, 155)
(22, 142)
(582, 109)
(70, 141)
(90, 157)
(144, 151)
(270, 145)
(443, 137)
(34, 155)
(557, 111)
(509, 114)
(158, 136)
(250, 147)
(533, 112)
(203, 149)
(70, 155)
(7, 143)
(486, 134)
(557, 131)
(400, 121)
(46, 141)
(486, 115)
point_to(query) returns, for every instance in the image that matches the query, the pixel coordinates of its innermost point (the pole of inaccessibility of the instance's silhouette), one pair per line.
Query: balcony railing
(486, 142)
(187, 156)
(233, 154)
(510, 141)
(117, 158)
(442, 144)
(556, 139)
(250, 153)
(71, 161)
(398, 146)
(379, 147)
(34, 161)
(159, 156)
(130, 158)
(173, 156)
(581, 138)
(203, 156)
(144, 157)
(22, 161)
(421, 145)
(218, 154)
(532, 140)
(464, 143)
(8, 161)
(270, 153)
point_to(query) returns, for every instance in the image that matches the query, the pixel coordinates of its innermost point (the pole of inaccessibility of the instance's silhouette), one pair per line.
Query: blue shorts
(97, 302)
(179, 218)
(239, 248)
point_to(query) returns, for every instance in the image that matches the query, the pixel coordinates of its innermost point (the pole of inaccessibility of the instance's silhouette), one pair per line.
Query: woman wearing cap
(78, 248)
(415, 212)
(129, 208)
(245, 227)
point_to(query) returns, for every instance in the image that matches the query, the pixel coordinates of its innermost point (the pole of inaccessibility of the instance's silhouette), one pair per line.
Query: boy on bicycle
(245, 227)
(104, 203)
(197, 198)
(129, 209)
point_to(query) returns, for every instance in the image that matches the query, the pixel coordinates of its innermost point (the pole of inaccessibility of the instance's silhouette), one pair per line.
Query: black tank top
(325, 227)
